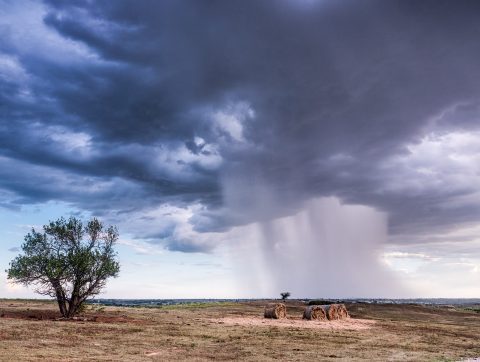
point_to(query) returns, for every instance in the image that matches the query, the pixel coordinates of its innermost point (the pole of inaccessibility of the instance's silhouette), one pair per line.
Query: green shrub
(319, 302)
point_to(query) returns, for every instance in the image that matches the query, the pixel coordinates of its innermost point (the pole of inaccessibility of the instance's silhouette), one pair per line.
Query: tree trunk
(61, 301)
(73, 305)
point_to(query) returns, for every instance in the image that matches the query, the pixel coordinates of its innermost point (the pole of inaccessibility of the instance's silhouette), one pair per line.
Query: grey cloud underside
(337, 89)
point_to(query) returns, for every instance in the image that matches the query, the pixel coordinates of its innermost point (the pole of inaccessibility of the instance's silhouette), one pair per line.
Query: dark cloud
(186, 246)
(175, 102)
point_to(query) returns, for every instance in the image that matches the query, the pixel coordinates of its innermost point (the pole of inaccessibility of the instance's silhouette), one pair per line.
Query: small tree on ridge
(68, 261)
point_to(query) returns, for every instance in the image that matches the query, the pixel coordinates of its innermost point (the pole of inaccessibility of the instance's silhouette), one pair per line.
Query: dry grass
(400, 332)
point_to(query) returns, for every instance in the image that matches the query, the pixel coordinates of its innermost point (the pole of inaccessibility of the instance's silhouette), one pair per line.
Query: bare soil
(33, 330)
(349, 324)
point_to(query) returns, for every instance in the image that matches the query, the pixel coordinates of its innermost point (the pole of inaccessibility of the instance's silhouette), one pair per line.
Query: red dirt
(40, 314)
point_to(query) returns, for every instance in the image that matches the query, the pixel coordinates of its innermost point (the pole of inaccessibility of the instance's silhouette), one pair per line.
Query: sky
(245, 148)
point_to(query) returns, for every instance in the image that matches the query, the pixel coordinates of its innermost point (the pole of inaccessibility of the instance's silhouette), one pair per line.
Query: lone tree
(285, 295)
(69, 261)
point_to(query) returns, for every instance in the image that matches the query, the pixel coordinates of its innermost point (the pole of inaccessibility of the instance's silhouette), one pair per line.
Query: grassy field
(30, 330)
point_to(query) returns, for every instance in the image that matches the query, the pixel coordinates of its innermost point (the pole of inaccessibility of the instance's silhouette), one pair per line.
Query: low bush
(320, 302)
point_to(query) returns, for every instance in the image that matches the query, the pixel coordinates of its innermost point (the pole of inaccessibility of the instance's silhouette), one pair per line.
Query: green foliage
(69, 261)
(473, 309)
(320, 302)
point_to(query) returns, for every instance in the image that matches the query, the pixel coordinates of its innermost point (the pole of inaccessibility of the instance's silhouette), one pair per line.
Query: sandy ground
(345, 324)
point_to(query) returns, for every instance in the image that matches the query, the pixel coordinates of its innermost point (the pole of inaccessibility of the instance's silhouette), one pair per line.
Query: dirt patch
(42, 315)
(29, 314)
(346, 324)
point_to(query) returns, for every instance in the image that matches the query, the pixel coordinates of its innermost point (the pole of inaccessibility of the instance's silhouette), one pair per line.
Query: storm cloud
(127, 109)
